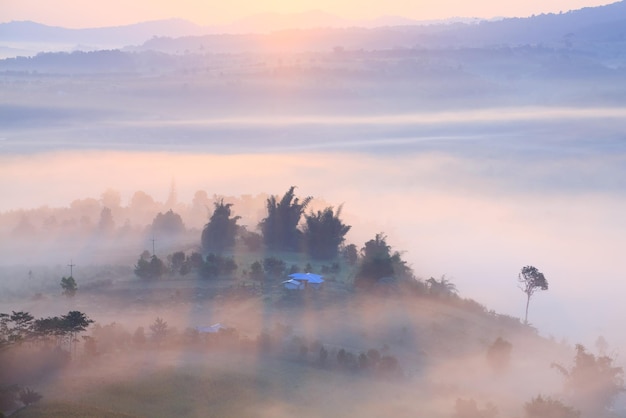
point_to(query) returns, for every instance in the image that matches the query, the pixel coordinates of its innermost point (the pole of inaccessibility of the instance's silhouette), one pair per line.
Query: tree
(274, 267)
(159, 330)
(219, 234)
(15, 328)
(168, 224)
(531, 280)
(323, 233)
(74, 323)
(217, 265)
(499, 354)
(592, 382)
(375, 262)
(52, 327)
(69, 286)
(350, 254)
(28, 396)
(106, 224)
(177, 262)
(150, 267)
(541, 407)
(256, 271)
(441, 288)
(252, 240)
(280, 227)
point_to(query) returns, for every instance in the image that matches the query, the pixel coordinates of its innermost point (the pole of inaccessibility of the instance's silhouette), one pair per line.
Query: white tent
(292, 284)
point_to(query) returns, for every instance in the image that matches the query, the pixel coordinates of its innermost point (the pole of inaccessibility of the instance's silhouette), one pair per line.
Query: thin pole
(71, 266)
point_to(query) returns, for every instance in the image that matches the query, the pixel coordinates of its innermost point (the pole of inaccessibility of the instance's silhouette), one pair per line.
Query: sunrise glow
(77, 13)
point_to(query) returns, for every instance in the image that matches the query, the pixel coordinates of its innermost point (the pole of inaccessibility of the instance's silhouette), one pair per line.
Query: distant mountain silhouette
(26, 31)
(572, 29)
(546, 28)
(320, 31)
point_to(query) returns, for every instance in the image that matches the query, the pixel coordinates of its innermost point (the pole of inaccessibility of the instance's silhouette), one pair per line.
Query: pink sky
(81, 13)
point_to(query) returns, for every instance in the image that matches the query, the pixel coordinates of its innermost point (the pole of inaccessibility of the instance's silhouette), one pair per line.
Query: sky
(80, 13)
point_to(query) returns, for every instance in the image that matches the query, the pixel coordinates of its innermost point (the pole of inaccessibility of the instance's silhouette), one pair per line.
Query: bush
(152, 269)
(499, 354)
(274, 267)
(540, 407)
(593, 382)
(256, 271)
(217, 265)
(28, 396)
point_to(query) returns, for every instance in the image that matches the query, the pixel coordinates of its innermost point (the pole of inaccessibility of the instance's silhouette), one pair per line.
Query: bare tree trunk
(527, 303)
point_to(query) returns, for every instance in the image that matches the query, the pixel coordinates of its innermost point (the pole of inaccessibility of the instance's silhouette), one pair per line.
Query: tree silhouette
(442, 287)
(15, 328)
(216, 265)
(168, 224)
(219, 234)
(159, 330)
(351, 254)
(531, 280)
(106, 224)
(592, 382)
(376, 262)
(28, 396)
(150, 267)
(499, 354)
(274, 267)
(178, 262)
(541, 407)
(323, 233)
(280, 227)
(74, 323)
(69, 286)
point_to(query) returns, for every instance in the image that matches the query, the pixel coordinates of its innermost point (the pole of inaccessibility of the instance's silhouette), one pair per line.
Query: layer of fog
(476, 219)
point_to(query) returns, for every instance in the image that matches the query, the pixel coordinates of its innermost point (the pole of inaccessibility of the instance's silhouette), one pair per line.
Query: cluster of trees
(278, 341)
(212, 266)
(377, 261)
(593, 382)
(10, 395)
(49, 335)
(18, 327)
(591, 386)
(320, 237)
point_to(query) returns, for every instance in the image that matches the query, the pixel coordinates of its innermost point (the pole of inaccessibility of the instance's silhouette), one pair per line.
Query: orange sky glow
(80, 13)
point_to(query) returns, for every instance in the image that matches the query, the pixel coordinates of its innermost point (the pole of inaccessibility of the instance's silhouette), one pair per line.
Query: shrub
(274, 267)
(28, 396)
(541, 407)
(499, 354)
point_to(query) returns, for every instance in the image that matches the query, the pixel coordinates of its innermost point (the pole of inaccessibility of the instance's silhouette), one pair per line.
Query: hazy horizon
(475, 150)
(116, 12)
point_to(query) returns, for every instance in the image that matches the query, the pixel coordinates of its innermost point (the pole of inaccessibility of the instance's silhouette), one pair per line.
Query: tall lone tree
(219, 234)
(531, 280)
(280, 227)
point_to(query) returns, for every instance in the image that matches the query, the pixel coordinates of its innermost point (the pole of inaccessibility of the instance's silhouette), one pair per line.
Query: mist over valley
(446, 157)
